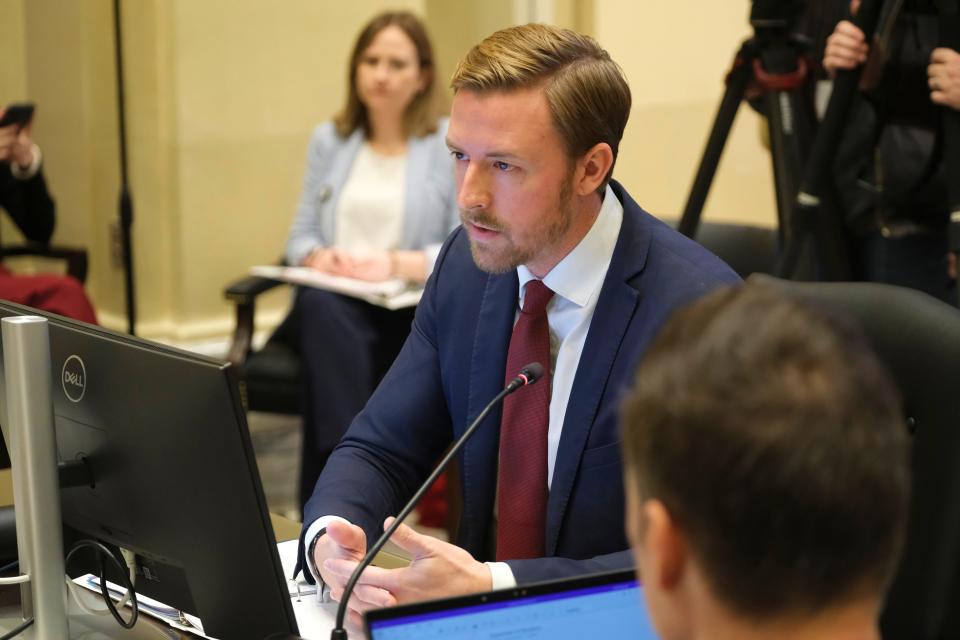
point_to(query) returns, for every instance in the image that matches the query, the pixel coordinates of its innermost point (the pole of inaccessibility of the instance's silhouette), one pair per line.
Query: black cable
(8, 567)
(105, 551)
(17, 631)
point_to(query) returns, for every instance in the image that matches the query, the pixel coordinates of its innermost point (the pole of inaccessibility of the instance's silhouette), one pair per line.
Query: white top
(576, 282)
(370, 209)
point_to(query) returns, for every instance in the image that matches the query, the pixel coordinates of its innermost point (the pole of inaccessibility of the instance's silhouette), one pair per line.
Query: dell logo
(74, 378)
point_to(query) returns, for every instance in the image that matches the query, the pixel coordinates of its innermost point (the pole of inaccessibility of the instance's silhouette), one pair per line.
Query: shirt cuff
(318, 525)
(501, 576)
(21, 173)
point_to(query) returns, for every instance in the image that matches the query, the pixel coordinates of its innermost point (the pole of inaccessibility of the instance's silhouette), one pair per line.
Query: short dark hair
(586, 91)
(421, 115)
(773, 435)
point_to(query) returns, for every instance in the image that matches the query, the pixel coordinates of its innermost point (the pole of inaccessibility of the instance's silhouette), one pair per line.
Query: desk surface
(315, 621)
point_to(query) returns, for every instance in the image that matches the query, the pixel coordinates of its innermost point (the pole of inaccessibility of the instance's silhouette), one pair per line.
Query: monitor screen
(605, 606)
(174, 478)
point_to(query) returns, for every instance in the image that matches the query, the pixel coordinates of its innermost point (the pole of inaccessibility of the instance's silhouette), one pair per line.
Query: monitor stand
(33, 460)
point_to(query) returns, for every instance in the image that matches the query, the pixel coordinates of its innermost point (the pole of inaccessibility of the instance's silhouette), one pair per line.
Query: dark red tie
(522, 471)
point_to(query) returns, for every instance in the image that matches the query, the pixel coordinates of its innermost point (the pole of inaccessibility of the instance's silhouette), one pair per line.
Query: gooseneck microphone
(525, 377)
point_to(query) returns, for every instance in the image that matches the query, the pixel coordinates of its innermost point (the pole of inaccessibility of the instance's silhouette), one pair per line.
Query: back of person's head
(773, 438)
(421, 114)
(585, 90)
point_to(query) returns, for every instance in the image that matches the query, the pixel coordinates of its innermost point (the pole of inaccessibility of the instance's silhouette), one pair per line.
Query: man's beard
(501, 261)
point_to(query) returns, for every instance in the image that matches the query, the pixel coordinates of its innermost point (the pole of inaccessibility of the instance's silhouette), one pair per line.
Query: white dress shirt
(576, 282)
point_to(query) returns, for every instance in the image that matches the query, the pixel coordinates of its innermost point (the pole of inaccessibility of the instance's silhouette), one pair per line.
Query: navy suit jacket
(454, 362)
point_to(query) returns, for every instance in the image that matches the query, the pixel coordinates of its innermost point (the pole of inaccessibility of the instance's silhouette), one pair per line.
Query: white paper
(391, 294)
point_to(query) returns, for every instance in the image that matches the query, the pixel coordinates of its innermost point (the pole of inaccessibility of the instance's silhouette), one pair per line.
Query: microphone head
(532, 372)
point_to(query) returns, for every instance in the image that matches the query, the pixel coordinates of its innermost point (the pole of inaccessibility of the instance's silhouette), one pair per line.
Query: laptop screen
(605, 606)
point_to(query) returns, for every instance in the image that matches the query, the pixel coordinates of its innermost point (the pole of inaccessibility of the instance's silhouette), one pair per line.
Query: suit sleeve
(393, 444)
(29, 204)
(541, 569)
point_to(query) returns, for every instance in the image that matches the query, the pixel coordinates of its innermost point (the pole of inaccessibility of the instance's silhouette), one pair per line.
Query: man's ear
(592, 168)
(666, 544)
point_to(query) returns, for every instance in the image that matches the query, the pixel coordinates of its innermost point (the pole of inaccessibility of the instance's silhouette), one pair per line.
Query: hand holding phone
(15, 142)
(18, 113)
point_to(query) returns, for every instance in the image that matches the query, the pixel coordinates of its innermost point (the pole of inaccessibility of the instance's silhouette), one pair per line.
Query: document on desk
(148, 606)
(390, 294)
(314, 619)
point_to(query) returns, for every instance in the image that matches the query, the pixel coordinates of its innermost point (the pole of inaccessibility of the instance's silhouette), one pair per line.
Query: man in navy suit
(536, 122)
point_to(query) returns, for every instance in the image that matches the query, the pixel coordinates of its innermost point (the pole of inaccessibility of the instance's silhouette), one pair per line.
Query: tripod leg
(784, 150)
(736, 87)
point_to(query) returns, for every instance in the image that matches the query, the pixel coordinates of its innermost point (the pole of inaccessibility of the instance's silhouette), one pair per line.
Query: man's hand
(846, 48)
(16, 144)
(943, 76)
(438, 570)
(346, 543)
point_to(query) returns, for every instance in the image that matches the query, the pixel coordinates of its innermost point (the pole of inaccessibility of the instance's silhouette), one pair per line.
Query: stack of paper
(390, 294)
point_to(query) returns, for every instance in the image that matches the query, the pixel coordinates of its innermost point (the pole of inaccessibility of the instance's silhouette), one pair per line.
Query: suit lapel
(487, 371)
(615, 309)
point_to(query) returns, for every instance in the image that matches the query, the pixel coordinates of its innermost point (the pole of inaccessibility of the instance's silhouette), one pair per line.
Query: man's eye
(502, 166)
(458, 155)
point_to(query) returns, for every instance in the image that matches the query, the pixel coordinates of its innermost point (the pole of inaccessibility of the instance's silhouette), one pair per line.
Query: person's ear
(666, 544)
(592, 168)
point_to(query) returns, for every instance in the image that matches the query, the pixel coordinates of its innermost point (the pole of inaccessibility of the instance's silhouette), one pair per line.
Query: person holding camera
(889, 167)
(24, 196)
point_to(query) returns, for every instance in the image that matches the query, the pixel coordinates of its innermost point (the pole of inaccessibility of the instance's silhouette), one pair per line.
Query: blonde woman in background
(378, 200)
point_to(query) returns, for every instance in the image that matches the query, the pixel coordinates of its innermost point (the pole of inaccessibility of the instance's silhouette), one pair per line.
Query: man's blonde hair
(585, 89)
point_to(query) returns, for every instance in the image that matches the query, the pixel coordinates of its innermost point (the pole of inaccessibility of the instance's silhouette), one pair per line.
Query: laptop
(605, 605)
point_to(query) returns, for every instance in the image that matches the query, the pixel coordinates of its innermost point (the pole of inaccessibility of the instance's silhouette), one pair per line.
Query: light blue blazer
(430, 208)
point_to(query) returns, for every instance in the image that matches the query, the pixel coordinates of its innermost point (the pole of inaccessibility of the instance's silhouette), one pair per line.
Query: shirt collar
(581, 272)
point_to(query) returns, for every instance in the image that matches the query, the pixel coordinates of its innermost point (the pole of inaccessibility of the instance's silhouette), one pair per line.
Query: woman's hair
(420, 118)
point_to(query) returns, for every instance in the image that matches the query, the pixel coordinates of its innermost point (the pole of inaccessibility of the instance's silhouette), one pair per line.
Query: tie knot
(536, 297)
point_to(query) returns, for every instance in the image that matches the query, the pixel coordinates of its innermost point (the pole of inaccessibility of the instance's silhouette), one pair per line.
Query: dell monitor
(173, 474)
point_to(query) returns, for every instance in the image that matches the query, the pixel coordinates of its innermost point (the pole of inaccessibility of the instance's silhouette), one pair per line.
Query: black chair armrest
(243, 293)
(245, 289)
(75, 258)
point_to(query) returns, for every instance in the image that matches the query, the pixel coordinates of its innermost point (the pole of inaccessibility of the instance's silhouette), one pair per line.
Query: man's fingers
(417, 544)
(387, 580)
(340, 567)
(349, 537)
(847, 28)
(373, 597)
(364, 598)
(943, 55)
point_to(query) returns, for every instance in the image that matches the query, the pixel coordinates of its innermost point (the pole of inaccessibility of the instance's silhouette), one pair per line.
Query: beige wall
(222, 96)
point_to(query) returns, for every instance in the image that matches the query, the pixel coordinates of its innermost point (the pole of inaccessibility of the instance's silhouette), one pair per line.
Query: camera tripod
(771, 67)
(774, 61)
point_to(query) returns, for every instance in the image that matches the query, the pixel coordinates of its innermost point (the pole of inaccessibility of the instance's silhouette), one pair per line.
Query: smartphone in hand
(18, 113)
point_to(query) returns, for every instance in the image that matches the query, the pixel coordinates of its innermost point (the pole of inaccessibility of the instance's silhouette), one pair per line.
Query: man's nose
(474, 191)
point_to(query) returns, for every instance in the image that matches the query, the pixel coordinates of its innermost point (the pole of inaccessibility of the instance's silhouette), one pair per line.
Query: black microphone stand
(527, 376)
(126, 202)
